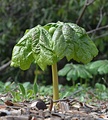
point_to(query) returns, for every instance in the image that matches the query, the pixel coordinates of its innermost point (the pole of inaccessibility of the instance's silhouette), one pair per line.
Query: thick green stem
(55, 82)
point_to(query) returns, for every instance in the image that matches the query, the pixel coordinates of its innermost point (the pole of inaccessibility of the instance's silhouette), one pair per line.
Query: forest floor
(47, 109)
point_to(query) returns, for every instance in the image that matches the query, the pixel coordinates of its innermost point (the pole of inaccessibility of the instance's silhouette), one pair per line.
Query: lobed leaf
(42, 47)
(73, 72)
(48, 44)
(101, 66)
(22, 52)
(72, 41)
(64, 70)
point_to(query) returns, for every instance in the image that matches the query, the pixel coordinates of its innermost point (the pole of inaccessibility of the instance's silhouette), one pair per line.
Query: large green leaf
(72, 41)
(48, 44)
(42, 47)
(22, 52)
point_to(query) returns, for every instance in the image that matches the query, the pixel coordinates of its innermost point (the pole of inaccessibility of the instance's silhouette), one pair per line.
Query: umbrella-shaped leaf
(48, 44)
(75, 71)
(72, 41)
(22, 52)
(100, 66)
(65, 70)
(92, 71)
(72, 75)
(96, 64)
(42, 47)
(104, 68)
(83, 73)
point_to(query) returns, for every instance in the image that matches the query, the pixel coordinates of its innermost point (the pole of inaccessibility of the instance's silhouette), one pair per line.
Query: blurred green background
(18, 15)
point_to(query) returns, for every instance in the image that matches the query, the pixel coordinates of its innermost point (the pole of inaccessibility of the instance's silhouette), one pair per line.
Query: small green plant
(87, 71)
(24, 92)
(101, 91)
(46, 45)
(75, 71)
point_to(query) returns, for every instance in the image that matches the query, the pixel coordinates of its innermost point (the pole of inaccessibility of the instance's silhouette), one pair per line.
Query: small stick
(3, 67)
(51, 105)
(100, 28)
(87, 3)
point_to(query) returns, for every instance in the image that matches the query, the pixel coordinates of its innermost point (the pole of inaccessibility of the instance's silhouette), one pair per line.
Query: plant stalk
(55, 82)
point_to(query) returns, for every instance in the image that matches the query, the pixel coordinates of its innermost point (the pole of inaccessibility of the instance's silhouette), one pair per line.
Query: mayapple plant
(46, 45)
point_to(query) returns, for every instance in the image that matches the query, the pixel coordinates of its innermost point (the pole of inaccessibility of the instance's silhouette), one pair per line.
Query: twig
(103, 35)
(97, 29)
(79, 19)
(100, 20)
(87, 3)
(51, 105)
(3, 67)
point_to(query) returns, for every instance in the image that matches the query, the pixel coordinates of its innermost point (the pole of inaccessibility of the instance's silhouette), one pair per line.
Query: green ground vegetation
(25, 91)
